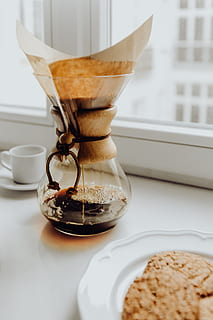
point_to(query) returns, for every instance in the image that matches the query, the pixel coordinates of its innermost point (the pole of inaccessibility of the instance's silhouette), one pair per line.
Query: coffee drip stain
(60, 241)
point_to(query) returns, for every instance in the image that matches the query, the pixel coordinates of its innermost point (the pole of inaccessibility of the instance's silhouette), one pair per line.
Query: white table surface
(40, 268)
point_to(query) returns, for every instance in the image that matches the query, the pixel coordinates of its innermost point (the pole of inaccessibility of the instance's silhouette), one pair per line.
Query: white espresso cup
(27, 162)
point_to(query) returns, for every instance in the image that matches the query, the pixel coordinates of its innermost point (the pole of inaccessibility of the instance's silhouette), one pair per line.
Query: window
(195, 90)
(200, 3)
(182, 29)
(180, 89)
(210, 114)
(18, 87)
(21, 99)
(179, 112)
(164, 124)
(211, 29)
(195, 113)
(180, 53)
(198, 30)
(198, 55)
(175, 117)
(210, 57)
(210, 91)
(183, 4)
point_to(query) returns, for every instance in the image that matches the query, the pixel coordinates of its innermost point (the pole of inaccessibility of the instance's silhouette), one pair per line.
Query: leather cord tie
(63, 149)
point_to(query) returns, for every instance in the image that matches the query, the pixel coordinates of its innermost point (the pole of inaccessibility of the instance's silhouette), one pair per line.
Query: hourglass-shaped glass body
(85, 191)
(102, 197)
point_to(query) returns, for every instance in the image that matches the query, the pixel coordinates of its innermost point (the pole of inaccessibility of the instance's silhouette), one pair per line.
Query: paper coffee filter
(63, 76)
(127, 50)
(130, 48)
(32, 46)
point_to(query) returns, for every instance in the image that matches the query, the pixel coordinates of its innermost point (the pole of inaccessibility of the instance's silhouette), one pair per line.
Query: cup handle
(5, 159)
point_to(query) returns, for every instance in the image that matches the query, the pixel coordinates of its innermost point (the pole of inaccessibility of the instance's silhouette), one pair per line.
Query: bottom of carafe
(81, 230)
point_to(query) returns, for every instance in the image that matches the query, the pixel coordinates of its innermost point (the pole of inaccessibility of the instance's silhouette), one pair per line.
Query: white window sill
(164, 132)
(179, 154)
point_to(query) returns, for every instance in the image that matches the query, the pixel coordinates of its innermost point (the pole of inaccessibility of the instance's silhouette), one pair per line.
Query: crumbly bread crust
(175, 285)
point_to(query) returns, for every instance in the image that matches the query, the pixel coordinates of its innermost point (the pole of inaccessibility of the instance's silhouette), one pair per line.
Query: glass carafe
(85, 191)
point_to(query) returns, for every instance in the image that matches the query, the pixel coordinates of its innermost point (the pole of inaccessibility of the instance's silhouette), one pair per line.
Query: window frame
(152, 149)
(32, 114)
(22, 124)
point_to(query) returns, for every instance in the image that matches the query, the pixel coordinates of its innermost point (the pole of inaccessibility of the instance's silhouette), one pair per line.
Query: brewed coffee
(93, 209)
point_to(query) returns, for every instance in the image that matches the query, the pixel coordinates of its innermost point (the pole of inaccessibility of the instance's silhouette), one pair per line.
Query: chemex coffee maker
(85, 191)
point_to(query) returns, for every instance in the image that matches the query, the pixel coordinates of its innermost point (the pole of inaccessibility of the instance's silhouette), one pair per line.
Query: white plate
(7, 182)
(102, 289)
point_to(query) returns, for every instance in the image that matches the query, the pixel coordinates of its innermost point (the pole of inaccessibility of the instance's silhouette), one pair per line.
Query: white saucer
(7, 182)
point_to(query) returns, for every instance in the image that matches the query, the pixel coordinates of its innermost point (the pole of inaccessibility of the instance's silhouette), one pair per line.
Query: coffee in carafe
(92, 210)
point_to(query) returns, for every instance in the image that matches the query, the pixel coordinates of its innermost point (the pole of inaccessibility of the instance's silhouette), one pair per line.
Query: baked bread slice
(175, 285)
